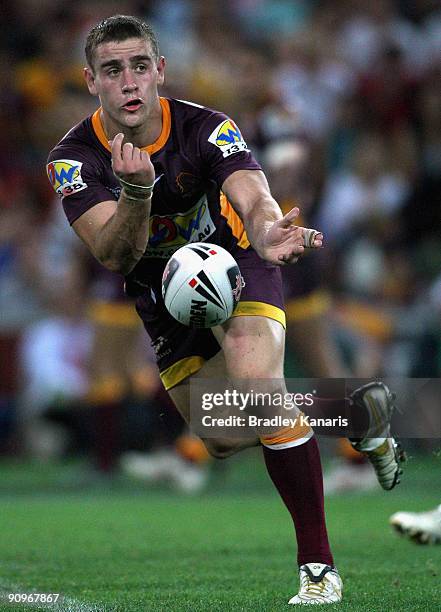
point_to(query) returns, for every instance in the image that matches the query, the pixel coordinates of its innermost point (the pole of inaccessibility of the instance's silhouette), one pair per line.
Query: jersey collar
(150, 149)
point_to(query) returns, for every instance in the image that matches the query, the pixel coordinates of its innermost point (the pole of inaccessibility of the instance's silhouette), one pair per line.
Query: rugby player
(143, 176)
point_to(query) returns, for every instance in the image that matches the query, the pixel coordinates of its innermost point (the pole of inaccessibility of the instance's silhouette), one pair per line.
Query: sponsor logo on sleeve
(227, 137)
(65, 176)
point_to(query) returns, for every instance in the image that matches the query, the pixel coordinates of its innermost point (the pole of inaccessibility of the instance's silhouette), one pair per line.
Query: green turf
(125, 548)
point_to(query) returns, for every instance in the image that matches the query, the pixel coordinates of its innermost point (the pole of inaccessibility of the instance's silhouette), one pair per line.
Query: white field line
(64, 603)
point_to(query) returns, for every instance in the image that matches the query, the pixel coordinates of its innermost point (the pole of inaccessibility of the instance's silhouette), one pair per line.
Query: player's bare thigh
(252, 348)
(180, 394)
(217, 447)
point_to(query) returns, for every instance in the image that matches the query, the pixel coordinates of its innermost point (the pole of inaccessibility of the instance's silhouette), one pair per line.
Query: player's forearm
(259, 219)
(123, 239)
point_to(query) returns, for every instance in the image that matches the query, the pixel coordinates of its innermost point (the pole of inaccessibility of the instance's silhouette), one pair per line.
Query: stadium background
(343, 96)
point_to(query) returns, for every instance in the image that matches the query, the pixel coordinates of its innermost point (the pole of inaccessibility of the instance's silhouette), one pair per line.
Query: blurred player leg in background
(112, 361)
(124, 383)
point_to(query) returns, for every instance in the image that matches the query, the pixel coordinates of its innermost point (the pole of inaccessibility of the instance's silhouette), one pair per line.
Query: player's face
(126, 78)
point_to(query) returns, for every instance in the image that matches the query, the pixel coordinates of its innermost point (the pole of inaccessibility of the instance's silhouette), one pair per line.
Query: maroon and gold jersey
(198, 148)
(196, 151)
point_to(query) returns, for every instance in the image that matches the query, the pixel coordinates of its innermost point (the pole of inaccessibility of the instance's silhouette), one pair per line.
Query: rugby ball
(201, 285)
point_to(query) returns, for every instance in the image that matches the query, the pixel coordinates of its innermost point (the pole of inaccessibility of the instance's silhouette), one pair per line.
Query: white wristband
(137, 198)
(130, 185)
(136, 192)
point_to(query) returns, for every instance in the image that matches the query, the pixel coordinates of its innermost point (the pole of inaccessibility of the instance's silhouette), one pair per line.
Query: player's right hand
(130, 163)
(285, 242)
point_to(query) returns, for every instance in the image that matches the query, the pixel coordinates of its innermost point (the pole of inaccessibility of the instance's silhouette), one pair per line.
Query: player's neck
(140, 136)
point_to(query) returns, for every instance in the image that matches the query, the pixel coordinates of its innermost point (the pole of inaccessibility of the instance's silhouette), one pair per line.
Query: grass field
(127, 548)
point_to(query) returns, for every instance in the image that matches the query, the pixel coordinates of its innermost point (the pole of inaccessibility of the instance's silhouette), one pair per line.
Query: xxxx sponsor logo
(170, 232)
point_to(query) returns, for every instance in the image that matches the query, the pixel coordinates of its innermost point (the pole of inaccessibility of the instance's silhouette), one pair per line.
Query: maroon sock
(297, 475)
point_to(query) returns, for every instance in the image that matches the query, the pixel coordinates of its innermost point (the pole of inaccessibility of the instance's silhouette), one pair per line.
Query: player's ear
(161, 69)
(90, 80)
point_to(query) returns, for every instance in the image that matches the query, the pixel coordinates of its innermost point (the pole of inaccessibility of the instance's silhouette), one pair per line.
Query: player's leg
(384, 453)
(182, 353)
(308, 333)
(180, 394)
(116, 329)
(371, 405)
(254, 349)
(369, 409)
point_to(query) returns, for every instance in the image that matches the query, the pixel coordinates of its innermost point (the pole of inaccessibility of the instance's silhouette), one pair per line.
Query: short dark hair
(118, 28)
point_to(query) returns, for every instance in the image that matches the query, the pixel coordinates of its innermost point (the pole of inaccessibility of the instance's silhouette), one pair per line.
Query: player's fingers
(312, 238)
(289, 258)
(116, 146)
(292, 254)
(127, 151)
(290, 216)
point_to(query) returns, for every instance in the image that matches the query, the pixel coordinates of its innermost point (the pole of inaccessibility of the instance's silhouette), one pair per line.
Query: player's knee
(221, 448)
(255, 371)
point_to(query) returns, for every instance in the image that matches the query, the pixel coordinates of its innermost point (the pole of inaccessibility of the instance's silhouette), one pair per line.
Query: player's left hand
(285, 242)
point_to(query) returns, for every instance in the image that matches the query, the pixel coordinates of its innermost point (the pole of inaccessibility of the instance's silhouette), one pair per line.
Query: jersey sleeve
(223, 149)
(76, 176)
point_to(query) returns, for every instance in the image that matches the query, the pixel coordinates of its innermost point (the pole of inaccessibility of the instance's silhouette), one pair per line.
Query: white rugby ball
(201, 285)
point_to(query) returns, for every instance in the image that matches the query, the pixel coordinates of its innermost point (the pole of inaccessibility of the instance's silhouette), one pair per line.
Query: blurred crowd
(341, 104)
